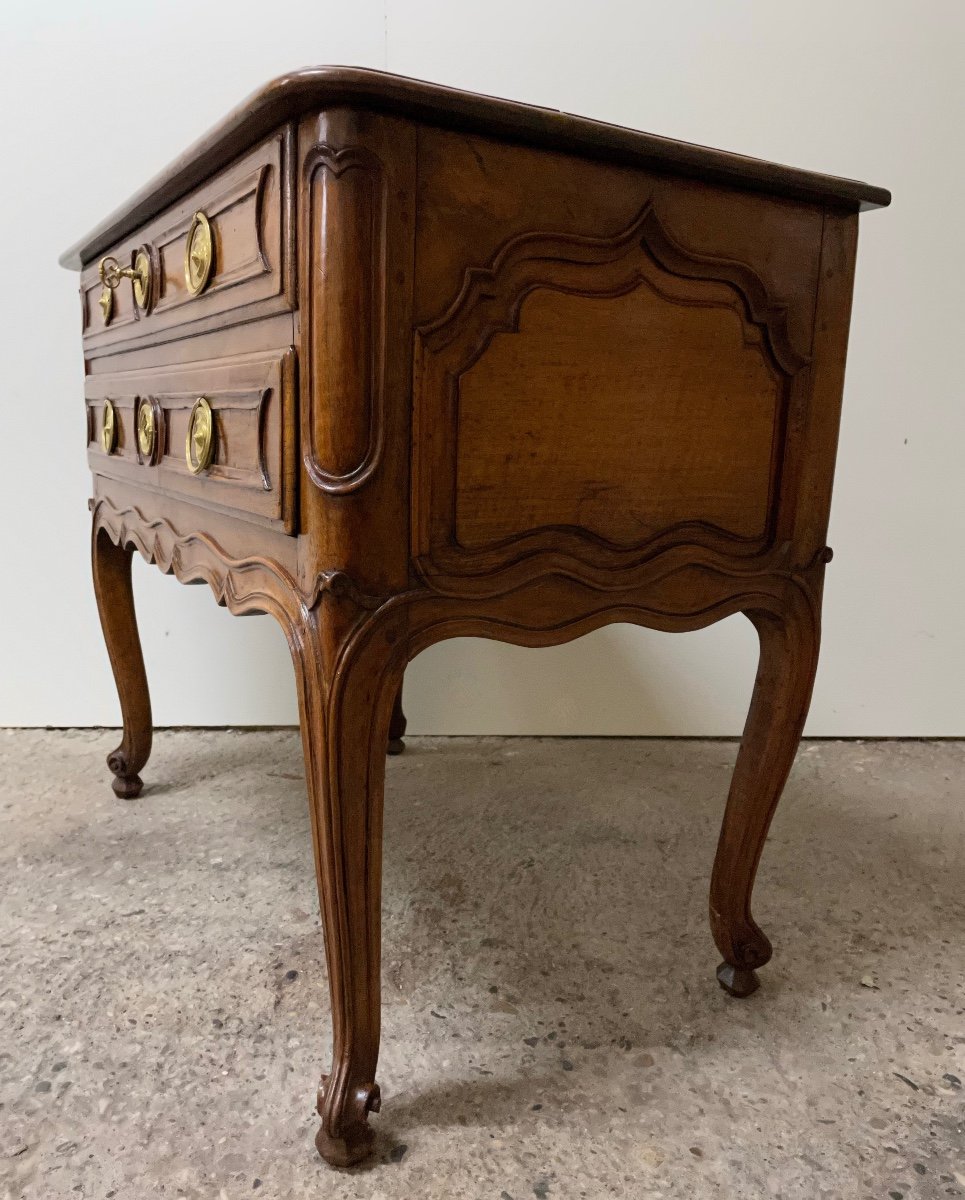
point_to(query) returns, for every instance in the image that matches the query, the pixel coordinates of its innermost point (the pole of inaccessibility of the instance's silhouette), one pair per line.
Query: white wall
(96, 97)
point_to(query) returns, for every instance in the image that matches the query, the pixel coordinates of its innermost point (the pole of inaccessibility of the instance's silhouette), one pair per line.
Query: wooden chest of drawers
(395, 363)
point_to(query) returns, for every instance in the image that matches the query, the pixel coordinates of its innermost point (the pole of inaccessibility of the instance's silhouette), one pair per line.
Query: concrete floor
(552, 1026)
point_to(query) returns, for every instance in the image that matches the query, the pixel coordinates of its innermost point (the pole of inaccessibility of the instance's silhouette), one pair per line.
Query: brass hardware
(146, 429)
(198, 254)
(106, 303)
(142, 279)
(141, 276)
(199, 447)
(108, 428)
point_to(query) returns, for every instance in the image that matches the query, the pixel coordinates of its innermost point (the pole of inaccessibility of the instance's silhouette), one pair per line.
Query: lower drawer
(251, 399)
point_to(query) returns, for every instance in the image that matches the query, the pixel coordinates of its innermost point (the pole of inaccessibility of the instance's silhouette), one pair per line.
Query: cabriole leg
(115, 604)
(782, 693)
(345, 727)
(397, 726)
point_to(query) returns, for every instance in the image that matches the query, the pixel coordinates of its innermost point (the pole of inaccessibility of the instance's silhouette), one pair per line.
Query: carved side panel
(600, 400)
(618, 437)
(343, 425)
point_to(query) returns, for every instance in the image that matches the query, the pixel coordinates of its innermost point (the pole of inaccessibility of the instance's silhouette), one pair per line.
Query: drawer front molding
(252, 399)
(246, 199)
(343, 421)
(641, 265)
(249, 209)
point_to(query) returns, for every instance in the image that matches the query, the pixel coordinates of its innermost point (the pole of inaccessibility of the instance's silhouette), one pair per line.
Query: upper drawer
(248, 211)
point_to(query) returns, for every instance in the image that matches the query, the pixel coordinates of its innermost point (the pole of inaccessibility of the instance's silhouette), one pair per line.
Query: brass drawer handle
(108, 428)
(141, 275)
(146, 423)
(199, 447)
(198, 254)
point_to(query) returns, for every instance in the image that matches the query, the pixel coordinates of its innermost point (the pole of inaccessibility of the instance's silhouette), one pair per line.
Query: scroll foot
(126, 784)
(345, 1151)
(737, 982)
(345, 1138)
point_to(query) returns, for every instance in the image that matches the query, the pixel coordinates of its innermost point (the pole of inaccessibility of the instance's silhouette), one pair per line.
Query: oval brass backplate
(108, 428)
(198, 254)
(142, 279)
(199, 447)
(146, 430)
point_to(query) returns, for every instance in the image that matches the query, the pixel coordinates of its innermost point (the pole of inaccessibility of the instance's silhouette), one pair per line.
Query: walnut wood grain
(478, 370)
(553, 321)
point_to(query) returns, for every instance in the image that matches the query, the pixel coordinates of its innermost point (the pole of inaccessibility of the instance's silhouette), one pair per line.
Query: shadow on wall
(622, 680)
(206, 668)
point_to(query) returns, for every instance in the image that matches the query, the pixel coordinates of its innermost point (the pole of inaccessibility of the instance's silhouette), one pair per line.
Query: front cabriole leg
(789, 642)
(347, 689)
(111, 565)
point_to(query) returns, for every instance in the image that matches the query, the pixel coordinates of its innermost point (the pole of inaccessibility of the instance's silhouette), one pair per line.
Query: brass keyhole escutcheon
(108, 428)
(198, 254)
(141, 275)
(146, 430)
(106, 303)
(199, 447)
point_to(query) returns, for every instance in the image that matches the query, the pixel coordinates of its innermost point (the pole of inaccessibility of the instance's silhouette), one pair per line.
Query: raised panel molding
(343, 417)
(490, 302)
(250, 206)
(244, 194)
(490, 298)
(252, 472)
(249, 193)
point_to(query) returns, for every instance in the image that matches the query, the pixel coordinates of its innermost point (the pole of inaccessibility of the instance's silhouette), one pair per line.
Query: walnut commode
(396, 363)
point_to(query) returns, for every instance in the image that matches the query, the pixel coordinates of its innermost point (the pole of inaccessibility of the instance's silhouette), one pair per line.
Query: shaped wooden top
(316, 88)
